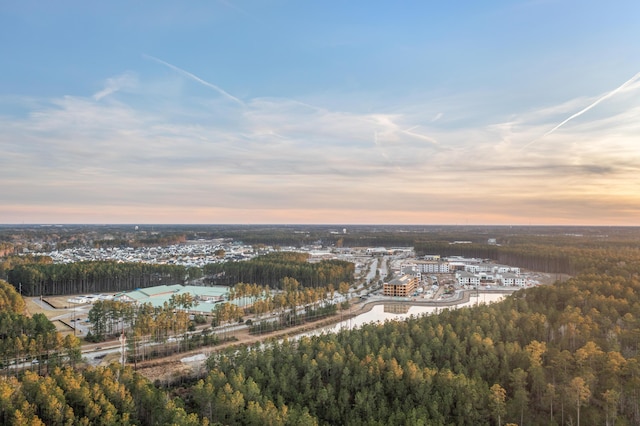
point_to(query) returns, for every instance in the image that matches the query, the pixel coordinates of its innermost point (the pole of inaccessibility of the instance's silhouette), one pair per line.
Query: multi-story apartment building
(403, 286)
(511, 279)
(490, 268)
(467, 278)
(431, 267)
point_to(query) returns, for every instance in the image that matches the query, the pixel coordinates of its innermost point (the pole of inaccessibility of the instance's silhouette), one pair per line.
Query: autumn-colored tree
(579, 392)
(497, 402)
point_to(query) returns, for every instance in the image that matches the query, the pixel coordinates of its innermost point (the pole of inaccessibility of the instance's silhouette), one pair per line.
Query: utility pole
(123, 347)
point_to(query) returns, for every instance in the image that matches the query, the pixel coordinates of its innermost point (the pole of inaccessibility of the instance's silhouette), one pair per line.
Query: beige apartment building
(403, 286)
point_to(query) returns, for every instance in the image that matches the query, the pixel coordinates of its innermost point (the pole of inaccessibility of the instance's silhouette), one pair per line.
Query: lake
(397, 311)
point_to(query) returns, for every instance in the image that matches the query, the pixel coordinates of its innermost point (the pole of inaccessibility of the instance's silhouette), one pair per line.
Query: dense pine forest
(563, 354)
(47, 279)
(573, 257)
(41, 382)
(548, 355)
(271, 269)
(38, 276)
(31, 338)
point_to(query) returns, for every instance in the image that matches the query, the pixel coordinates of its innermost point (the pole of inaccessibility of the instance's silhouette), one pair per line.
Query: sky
(329, 112)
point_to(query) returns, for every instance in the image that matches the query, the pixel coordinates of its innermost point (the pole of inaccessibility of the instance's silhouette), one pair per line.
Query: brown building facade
(403, 286)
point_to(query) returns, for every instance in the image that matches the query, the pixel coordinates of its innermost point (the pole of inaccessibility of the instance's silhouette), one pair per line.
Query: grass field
(34, 308)
(62, 328)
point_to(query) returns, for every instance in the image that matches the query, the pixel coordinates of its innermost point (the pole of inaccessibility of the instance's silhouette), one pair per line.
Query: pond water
(396, 311)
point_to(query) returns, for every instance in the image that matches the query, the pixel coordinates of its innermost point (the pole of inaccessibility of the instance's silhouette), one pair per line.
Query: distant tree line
(306, 235)
(5, 248)
(406, 236)
(140, 240)
(37, 279)
(271, 269)
(567, 259)
(38, 276)
(9, 262)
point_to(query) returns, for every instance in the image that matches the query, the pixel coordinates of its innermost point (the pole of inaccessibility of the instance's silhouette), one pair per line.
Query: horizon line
(309, 224)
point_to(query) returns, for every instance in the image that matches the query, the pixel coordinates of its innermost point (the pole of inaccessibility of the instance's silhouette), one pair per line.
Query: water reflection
(395, 308)
(392, 311)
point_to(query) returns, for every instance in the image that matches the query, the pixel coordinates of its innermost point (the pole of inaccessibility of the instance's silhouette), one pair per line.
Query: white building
(411, 269)
(432, 267)
(510, 279)
(490, 268)
(467, 278)
(501, 269)
(378, 251)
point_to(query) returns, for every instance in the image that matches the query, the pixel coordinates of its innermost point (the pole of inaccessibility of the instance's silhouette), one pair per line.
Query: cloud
(587, 108)
(275, 156)
(411, 132)
(238, 9)
(196, 78)
(115, 84)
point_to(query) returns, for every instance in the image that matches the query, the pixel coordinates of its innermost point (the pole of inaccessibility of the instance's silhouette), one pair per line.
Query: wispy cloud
(115, 84)
(279, 156)
(238, 9)
(587, 108)
(196, 78)
(410, 132)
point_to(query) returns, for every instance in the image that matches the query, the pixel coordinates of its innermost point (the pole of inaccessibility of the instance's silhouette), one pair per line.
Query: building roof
(403, 280)
(159, 295)
(510, 275)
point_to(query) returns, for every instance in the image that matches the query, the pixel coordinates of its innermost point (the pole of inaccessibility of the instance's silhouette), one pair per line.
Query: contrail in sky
(411, 132)
(579, 113)
(195, 78)
(237, 9)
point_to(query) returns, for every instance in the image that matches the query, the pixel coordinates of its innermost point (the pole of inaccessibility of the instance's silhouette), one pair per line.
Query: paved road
(461, 296)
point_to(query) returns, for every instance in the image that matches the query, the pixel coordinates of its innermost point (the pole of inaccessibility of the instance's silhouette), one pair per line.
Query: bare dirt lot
(33, 307)
(62, 302)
